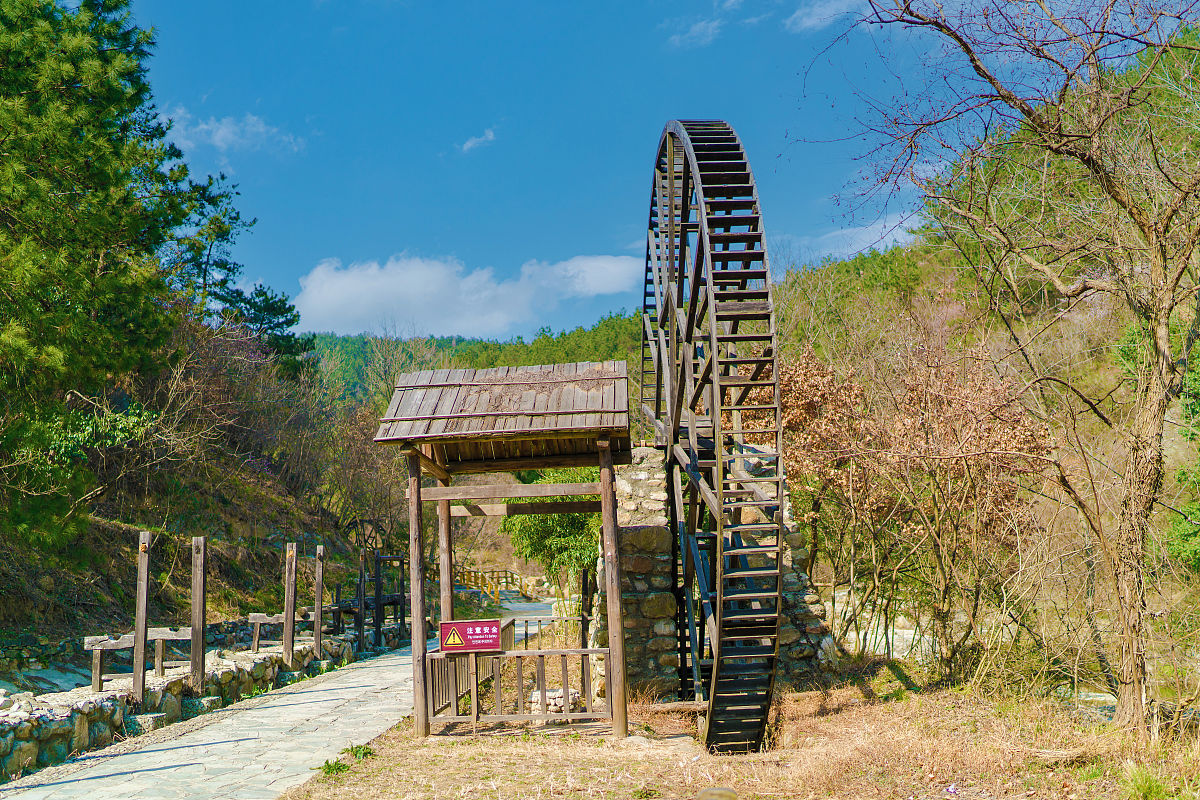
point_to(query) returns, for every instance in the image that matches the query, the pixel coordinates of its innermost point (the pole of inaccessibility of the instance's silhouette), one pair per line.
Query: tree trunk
(1142, 483)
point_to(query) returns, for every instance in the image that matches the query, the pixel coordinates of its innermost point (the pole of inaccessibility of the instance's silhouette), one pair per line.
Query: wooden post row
(140, 617)
(416, 583)
(319, 607)
(612, 587)
(289, 604)
(199, 609)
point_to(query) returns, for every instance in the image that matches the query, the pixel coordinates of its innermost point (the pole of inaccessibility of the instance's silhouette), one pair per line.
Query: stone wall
(41, 731)
(647, 594)
(648, 600)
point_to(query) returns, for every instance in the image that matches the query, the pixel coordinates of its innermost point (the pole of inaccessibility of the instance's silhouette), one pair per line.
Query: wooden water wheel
(709, 389)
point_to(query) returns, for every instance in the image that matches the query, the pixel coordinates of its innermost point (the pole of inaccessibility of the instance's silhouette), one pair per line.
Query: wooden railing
(497, 684)
(489, 581)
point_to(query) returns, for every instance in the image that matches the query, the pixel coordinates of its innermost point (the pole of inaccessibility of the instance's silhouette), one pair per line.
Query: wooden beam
(140, 616)
(199, 610)
(429, 464)
(541, 462)
(494, 491)
(518, 509)
(445, 559)
(289, 604)
(416, 583)
(319, 603)
(612, 587)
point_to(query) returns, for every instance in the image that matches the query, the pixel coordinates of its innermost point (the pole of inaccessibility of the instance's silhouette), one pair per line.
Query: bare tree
(1053, 144)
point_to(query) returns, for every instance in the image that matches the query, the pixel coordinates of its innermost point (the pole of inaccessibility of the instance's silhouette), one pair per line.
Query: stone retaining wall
(648, 598)
(41, 731)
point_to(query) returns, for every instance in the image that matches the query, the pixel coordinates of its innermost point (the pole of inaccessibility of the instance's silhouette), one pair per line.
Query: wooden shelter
(467, 421)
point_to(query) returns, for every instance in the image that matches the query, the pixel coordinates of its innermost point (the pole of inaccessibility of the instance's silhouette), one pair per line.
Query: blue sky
(483, 168)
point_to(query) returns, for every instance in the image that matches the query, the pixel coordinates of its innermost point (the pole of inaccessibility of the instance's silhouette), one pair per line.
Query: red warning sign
(469, 636)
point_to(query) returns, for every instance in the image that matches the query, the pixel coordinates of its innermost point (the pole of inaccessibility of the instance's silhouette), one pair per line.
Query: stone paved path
(250, 754)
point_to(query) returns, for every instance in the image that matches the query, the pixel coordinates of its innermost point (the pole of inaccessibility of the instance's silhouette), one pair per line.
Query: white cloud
(478, 141)
(814, 15)
(698, 34)
(787, 250)
(226, 134)
(443, 297)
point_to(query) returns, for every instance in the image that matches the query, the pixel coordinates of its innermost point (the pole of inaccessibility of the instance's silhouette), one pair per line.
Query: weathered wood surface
(464, 421)
(517, 509)
(140, 617)
(500, 491)
(199, 609)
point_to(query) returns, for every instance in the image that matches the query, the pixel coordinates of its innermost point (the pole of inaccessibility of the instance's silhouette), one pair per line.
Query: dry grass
(848, 742)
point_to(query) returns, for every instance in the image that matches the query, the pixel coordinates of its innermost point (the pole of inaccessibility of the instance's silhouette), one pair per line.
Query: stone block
(670, 660)
(661, 643)
(99, 734)
(6, 742)
(144, 723)
(210, 703)
(637, 564)
(171, 708)
(795, 540)
(22, 757)
(664, 627)
(53, 751)
(788, 634)
(658, 604)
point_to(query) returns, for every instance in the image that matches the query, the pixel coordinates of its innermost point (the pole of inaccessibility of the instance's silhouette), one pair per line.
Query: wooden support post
(97, 670)
(160, 657)
(319, 607)
(139, 618)
(360, 619)
(612, 588)
(289, 604)
(445, 559)
(337, 609)
(199, 609)
(416, 582)
(378, 618)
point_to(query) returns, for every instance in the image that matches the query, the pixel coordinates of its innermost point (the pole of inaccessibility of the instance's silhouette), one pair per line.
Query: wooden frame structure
(710, 389)
(463, 422)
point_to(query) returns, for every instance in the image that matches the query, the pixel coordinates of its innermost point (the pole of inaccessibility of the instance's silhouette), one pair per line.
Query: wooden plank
(377, 616)
(586, 681)
(140, 615)
(579, 717)
(587, 459)
(473, 680)
(199, 610)
(289, 604)
(496, 685)
(518, 509)
(496, 491)
(160, 658)
(612, 585)
(126, 641)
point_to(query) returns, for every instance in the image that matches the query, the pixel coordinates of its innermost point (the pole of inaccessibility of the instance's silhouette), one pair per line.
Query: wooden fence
(497, 684)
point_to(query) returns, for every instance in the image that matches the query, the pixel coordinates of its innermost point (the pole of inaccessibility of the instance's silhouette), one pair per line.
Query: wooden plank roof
(508, 418)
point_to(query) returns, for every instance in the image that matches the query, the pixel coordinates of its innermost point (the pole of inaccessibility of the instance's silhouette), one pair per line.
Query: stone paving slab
(251, 754)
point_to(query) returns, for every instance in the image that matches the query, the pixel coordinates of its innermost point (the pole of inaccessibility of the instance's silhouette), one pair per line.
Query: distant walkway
(255, 753)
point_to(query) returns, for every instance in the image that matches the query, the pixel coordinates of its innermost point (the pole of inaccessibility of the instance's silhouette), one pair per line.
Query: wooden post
(612, 588)
(378, 618)
(139, 618)
(445, 559)
(160, 657)
(199, 609)
(416, 583)
(318, 617)
(360, 619)
(337, 609)
(289, 604)
(97, 670)
(400, 591)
